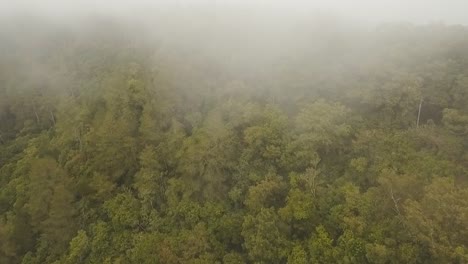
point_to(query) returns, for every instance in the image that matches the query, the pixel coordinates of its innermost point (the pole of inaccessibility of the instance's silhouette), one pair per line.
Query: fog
(242, 40)
(362, 11)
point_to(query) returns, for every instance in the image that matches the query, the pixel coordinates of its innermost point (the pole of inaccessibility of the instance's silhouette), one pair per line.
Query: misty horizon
(364, 12)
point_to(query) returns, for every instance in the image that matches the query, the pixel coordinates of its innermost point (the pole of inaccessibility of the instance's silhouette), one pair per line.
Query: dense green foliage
(115, 148)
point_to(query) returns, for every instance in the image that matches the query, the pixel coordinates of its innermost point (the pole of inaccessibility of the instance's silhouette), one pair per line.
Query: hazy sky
(376, 11)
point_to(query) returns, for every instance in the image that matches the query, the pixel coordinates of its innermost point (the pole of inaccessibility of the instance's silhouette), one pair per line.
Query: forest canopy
(180, 140)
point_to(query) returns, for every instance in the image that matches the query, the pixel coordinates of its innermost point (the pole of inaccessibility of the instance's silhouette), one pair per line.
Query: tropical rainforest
(201, 142)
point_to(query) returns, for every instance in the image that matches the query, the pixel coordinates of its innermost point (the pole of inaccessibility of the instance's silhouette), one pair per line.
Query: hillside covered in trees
(226, 143)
